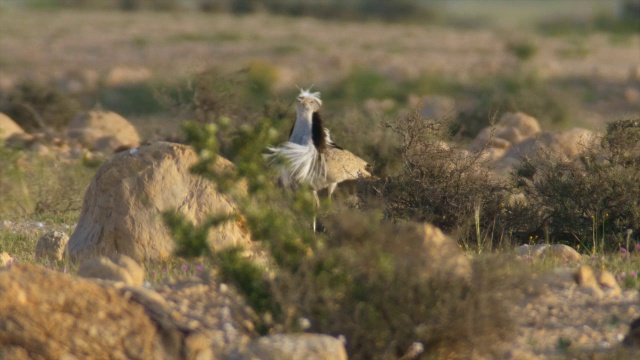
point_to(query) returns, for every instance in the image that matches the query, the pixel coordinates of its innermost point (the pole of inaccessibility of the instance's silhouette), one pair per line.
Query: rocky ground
(568, 314)
(571, 320)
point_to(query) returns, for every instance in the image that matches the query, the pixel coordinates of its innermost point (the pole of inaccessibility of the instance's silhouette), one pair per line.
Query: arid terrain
(514, 71)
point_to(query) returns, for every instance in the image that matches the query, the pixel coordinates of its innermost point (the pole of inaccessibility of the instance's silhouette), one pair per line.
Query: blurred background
(566, 62)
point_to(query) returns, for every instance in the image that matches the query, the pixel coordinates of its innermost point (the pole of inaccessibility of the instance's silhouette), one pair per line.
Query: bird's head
(308, 101)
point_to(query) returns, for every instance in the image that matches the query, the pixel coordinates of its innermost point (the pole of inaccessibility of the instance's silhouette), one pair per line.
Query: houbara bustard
(311, 157)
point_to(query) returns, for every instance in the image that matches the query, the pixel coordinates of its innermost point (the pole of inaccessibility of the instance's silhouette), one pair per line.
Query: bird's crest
(306, 93)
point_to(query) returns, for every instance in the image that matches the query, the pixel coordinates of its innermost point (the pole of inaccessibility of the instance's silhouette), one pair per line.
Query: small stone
(632, 95)
(117, 268)
(52, 246)
(609, 283)
(587, 281)
(5, 259)
(293, 346)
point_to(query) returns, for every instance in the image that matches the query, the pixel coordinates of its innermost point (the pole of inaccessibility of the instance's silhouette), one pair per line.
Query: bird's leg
(315, 196)
(331, 189)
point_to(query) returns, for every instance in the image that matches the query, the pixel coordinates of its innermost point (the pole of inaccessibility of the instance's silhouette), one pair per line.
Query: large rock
(103, 131)
(49, 315)
(511, 129)
(8, 128)
(566, 144)
(123, 205)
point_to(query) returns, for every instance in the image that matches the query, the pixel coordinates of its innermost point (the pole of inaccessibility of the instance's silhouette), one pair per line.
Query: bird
(311, 157)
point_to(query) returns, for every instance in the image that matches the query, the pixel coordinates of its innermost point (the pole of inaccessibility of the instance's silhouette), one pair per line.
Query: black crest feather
(318, 134)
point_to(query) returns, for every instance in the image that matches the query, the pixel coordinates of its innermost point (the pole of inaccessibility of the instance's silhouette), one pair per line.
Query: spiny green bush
(442, 184)
(278, 220)
(592, 201)
(36, 106)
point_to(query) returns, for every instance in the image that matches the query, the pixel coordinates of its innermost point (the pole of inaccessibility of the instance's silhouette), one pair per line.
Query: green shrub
(12, 182)
(261, 77)
(36, 106)
(590, 202)
(361, 84)
(133, 99)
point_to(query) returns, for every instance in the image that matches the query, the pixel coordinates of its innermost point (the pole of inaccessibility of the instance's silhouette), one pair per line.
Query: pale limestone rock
(555, 251)
(52, 246)
(586, 279)
(609, 284)
(9, 128)
(291, 347)
(52, 315)
(123, 206)
(123, 75)
(5, 259)
(511, 129)
(116, 268)
(565, 144)
(103, 131)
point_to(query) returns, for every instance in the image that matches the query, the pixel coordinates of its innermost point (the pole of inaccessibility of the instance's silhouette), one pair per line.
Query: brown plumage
(313, 158)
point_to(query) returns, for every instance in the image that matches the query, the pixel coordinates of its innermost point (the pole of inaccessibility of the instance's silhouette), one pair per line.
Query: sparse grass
(19, 245)
(133, 99)
(38, 106)
(575, 48)
(158, 272)
(624, 24)
(205, 37)
(41, 189)
(523, 49)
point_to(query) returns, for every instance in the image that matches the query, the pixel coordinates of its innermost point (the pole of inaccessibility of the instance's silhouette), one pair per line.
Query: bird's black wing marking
(317, 133)
(336, 146)
(291, 131)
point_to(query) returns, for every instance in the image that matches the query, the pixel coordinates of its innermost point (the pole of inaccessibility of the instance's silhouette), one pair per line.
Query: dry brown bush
(442, 184)
(593, 200)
